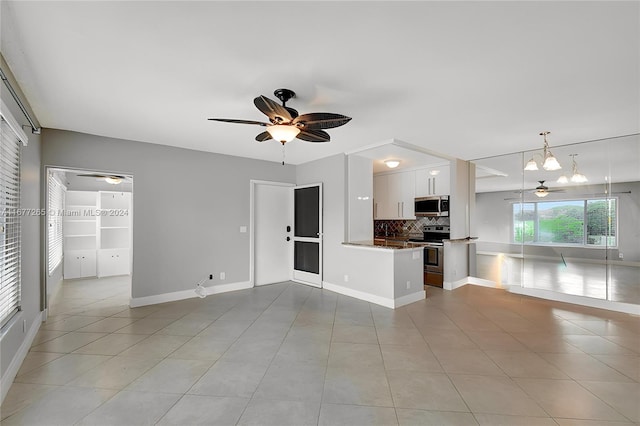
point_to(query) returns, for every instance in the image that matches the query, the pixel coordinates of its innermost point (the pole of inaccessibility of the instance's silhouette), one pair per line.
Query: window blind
(55, 206)
(9, 222)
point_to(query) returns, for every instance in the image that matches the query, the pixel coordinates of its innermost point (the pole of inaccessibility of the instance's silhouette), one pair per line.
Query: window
(590, 222)
(55, 206)
(9, 221)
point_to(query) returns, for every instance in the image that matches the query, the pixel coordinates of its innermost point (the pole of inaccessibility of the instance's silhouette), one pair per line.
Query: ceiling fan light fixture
(283, 133)
(392, 164)
(541, 193)
(113, 180)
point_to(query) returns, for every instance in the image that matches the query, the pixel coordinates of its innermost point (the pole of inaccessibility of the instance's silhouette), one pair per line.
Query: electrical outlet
(222, 275)
(408, 285)
(210, 276)
(620, 256)
(346, 278)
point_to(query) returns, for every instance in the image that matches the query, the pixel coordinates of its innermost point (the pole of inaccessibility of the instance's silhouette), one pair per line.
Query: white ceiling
(466, 79)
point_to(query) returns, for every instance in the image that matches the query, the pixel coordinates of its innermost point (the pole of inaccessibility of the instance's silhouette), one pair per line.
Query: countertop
(386, 244)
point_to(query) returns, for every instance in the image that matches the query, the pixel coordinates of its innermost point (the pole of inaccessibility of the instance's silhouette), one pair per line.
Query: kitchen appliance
(432, 206)
(433, 262)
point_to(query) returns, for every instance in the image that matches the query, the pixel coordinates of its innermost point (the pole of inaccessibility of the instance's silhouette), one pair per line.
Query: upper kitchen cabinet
(427, 184)
(393, 195)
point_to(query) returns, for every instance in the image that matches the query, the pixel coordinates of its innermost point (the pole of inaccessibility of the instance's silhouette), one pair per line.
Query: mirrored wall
(573, 230)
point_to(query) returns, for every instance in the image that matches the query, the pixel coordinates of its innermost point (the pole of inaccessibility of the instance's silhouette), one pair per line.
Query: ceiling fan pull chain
(283, 153)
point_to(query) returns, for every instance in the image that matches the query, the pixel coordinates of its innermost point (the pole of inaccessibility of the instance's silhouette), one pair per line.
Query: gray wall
(332, 172)
(494, 223)
(188, 206)
(12, 335)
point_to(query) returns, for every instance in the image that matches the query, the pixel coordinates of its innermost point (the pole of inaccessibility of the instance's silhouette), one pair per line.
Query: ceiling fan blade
(276, 113)
(233, 120)
(313, 135)
(321, 120)
(264, 136)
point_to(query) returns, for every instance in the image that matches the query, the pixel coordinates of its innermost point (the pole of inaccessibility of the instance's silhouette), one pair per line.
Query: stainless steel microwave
(432, 206)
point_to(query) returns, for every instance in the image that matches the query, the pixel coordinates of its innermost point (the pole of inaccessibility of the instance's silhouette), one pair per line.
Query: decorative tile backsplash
(406, 227)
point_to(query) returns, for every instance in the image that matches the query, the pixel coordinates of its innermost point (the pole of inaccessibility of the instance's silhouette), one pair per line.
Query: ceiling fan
(285, 124)
(112, 179)
(542, 190)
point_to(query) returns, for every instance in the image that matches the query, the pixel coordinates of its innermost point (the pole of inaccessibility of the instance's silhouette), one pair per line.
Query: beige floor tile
(496, 340)
(171, 376)
(225, 330)
(623, 397)
(580, 422)
(629, 365)
(296, 350)
(447, 340)
(155, 346)
(116, 373)
(204, 410)
(131, 408)
(68, 342)
(281, 413)
(22, 395)
(357, 386)
(186, 326)
(146, 326)
(567, 399)
(252, 351)
(292, 382)
(585, 367)
(410, 417)
(107, 325)
(525, 364)
(361, 318)
(349, 415)
(354, 334)
(413, 358)
(235, 379)
(471, 361)
(400, 336)
(64, 406)
(137, 313)
(596, 345)
(202, 348)
(111, 344)
(495, 395)
(545, 343)
(34, 360)
(356, 355)
(71, 323)
(62, 370)
(501, 420)
(46, 335)
(425, 391)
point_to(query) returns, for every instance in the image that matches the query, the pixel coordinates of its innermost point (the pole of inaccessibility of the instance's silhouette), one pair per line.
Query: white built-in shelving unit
(97, 234)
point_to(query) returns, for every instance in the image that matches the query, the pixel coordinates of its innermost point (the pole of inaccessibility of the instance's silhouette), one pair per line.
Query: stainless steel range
(433, 237)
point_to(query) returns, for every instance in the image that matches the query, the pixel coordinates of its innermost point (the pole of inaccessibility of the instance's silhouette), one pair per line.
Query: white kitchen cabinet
(79, 264)
(113, 262)
(427, 185)
(393, 195)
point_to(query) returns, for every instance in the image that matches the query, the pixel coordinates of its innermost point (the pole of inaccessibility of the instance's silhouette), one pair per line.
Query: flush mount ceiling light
(549, 162)
(112, 179)
(392, 164)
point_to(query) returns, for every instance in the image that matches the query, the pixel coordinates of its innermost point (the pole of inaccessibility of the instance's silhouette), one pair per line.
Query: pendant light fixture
(577, 177)
(549, 162)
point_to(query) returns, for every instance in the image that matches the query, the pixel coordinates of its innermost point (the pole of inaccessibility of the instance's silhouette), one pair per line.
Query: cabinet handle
(434, 186)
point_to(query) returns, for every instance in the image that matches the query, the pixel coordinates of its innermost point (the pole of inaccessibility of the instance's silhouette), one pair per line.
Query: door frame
(252, 212)
(320, 238)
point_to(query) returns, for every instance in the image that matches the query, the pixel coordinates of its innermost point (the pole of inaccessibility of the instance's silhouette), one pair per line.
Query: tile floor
(291, 354)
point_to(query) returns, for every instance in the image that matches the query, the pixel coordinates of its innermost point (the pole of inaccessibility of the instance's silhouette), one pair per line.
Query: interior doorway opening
(89, 229)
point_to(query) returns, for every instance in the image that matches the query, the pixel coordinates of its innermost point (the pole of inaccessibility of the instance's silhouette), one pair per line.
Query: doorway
(89, 223)
(286, 233)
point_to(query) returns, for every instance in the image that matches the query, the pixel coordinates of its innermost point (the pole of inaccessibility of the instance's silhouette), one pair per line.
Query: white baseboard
(136, 302)
(627, 308)
(367, 297)
(455, 284)
(16, 362)
(372, 298)
(483, 283)
(409, 298)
